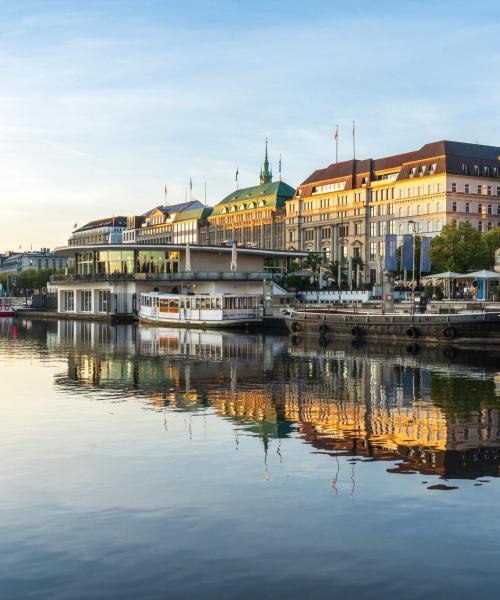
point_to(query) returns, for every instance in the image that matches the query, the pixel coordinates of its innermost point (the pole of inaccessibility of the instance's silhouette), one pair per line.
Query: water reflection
(425, 413)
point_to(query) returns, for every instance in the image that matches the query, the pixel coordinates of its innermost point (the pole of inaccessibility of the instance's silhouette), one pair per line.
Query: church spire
(266, 175)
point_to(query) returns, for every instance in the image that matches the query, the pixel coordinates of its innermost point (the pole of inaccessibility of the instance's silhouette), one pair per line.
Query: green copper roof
(276, 191)
(197, 213)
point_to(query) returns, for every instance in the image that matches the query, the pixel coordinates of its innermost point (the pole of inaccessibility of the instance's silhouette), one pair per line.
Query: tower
(266, 175)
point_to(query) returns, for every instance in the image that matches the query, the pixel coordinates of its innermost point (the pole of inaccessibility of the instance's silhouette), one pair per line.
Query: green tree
(459, 247)
(492, 239)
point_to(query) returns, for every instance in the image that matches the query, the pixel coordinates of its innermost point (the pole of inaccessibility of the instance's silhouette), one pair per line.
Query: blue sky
(102, 103)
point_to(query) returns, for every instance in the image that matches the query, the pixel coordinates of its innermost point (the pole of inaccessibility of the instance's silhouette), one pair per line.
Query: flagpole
(353, 140)
(205, 192)
(165, 197)
(337, 144)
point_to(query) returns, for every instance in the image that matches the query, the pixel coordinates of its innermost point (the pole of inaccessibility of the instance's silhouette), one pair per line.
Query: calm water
(157, 463)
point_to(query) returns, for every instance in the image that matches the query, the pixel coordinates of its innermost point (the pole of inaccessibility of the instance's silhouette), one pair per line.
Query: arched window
(408, 211)
(400, 212)
(439, 225)
(438, 206)
(418, 209)
(429, 208)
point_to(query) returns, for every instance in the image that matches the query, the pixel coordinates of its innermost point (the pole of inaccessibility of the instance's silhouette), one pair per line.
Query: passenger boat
(467, 328)
(200, 310)
(6, 308)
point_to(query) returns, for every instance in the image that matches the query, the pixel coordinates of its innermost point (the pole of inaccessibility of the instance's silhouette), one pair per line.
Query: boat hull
(478, 329)
(228, 323)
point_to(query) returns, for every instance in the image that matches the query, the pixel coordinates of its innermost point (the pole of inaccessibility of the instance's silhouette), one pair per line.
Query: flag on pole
(407, 252)
(390, 254)
(190, 184)
(75, 225)
(165, 189)
(279, 167)
(336, 134)
(425, 263)
(237, 174)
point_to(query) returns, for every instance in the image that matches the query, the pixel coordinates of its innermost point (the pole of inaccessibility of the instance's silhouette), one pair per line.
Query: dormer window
(241, 207)
(433, 168)
(413, 171)
(465, 168)
(233, 208)
(260, 203)
(476, 170)
(486, 170)
(224, 210)
(421, 170)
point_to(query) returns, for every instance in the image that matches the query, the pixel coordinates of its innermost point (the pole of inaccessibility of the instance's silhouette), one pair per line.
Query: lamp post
(414, 234)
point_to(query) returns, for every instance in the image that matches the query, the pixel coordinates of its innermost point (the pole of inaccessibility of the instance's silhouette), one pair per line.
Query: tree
(459, 247)
(492, 239)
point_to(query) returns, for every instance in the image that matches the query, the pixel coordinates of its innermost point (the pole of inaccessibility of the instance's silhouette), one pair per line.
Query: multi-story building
(346, 209)
(37, 260)
(253, 216)
(102, 231)
(174, 224)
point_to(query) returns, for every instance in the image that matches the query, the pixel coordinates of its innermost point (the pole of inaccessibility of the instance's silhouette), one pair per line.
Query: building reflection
(422, 414)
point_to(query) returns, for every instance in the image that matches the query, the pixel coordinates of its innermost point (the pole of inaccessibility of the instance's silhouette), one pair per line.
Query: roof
(196, 213)
(451, 152)
(274, 188)
(107, 222)
(175, 208)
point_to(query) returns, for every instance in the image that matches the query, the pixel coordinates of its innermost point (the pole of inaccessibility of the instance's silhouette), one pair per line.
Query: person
(474, 287)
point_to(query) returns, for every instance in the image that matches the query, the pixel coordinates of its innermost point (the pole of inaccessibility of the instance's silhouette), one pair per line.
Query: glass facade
(124, 262)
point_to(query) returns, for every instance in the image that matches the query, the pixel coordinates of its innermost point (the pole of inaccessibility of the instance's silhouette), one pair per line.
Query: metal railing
(181, 276)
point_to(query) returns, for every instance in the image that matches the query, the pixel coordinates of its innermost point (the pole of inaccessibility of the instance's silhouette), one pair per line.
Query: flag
(353, 128)
(279, 165)
(75, 225)
(237, 174)
(407, 252)
(425, 263)
(336, 134)
(190, 183)
(390, 255)
(165, 189)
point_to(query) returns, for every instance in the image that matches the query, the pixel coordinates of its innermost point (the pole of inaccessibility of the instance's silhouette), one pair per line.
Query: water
(156, 463)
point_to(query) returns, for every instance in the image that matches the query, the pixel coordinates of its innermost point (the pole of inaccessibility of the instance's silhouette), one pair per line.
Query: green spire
(266, 175)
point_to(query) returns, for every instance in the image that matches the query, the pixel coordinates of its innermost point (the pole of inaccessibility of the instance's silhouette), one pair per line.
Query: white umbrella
(187, 262)
(445, 275)
(234, 258)
(483, 274)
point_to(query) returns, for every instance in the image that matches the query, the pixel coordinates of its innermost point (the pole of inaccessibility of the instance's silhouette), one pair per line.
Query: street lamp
(414, 234)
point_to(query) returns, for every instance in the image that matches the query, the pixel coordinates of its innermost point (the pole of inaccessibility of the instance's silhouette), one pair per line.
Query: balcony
(182, 276)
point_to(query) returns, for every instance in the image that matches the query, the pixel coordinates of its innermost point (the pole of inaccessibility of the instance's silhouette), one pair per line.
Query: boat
(475, 329)
(200, 310)
(6, 308)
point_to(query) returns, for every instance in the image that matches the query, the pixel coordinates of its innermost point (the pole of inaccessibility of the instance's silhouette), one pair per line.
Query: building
(108, 278)
(38, 260)
(174, 224)
(346, 209)
(102, 231)
(253, 216)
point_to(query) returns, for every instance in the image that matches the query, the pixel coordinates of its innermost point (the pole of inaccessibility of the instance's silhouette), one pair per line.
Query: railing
(181, 276)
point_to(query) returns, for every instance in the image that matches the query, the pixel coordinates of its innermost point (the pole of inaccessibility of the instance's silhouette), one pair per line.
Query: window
(489, 225)
(373, 229)
(479, 208)
(467, 188)
(439, 187)
(454, 207)
(68, 300)
(480, 226)
(479, 188)
(432, 169)
(490, 209)
(429, 208)
(418, 209)
(373, 250)
(357, 229)
(465, 168)
(467, 207)
(453, 187)
(86, 301)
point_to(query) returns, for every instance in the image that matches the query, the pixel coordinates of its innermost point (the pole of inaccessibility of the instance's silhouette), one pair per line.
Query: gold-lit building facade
(345, 210)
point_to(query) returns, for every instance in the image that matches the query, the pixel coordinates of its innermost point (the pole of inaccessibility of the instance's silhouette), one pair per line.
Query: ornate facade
(346, 209)
(253, 216)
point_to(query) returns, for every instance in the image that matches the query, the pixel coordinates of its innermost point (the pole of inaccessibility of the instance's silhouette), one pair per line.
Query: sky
(103, 103)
